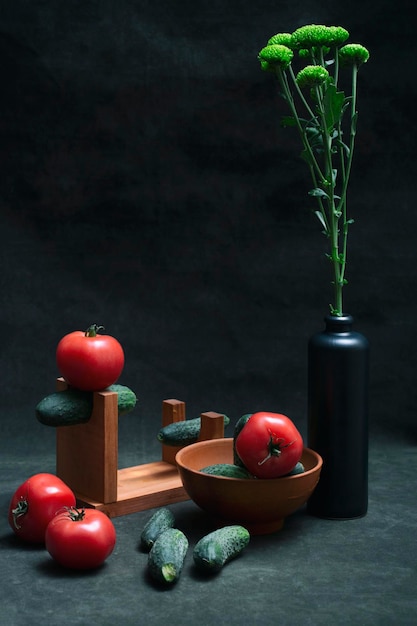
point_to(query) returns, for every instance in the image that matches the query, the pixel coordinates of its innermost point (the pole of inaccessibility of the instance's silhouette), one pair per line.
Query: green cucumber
(238, 427)
(65, 408)
(161, 520)
(183, 433)
(297, 469)
(227, 469)
(217, 548)
(126, 398)
(72, 406)
(167, 555)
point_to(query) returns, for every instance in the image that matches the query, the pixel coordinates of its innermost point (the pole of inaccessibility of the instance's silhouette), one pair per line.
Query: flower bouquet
(325, 117)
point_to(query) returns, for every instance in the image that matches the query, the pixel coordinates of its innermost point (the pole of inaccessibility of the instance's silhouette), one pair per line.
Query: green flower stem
(323, 125)
(300, 94)
(315, 168)
(336, 67)
(347, 171)
(334, 214)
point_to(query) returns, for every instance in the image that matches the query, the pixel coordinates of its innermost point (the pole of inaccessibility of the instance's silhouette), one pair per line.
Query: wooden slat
(140, 488)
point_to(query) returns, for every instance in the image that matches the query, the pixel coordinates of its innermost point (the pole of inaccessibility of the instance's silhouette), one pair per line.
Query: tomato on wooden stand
(34, 504)
(80, 538)
(88, 360)
(269, 445)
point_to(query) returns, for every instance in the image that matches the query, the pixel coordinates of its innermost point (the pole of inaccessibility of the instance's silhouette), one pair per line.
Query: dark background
(146, 185)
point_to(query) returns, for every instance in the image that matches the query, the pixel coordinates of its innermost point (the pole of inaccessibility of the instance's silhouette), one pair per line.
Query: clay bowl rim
(199, 444)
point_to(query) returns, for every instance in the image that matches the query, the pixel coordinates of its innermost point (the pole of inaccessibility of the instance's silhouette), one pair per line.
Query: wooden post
(172, 411)
(87, 454)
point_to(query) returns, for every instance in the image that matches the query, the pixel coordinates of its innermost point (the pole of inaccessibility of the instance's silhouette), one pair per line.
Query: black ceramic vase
(338, 380)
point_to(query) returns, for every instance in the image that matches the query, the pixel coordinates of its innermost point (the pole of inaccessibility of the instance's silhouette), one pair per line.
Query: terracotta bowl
(258, 504)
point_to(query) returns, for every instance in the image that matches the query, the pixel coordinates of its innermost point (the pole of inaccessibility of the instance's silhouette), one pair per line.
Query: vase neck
(338, 323)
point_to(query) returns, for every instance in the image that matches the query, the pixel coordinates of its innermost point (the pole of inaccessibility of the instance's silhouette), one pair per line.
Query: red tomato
(88, 360)
(269, 445)
(80, 538)
(35, 503)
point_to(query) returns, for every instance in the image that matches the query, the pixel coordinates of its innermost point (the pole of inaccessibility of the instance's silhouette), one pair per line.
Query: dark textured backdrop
(146, 185)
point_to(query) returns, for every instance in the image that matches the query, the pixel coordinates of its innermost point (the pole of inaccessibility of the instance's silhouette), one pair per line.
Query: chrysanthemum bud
(353, 54)
(337, 35)
(276, 55)
(267, 67)
(283, 39)
(312, 75)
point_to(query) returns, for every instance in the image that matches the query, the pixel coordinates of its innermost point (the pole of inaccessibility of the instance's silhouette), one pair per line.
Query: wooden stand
(87, 460)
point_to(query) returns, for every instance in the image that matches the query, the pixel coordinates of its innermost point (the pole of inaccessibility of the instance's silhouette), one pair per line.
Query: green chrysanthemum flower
(275, 55)
(267, 67)
(353, 54)
(284, 39)
(318, 35)
(337, 35)
(312, 75)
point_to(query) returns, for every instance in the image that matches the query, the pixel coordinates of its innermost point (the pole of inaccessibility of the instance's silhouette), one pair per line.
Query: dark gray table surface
(313, 571)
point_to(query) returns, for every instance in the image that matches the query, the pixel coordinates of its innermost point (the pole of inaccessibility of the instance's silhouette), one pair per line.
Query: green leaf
(347, 224)
(333, 103)
(318, 193)
(319, 214)
(346, 103)
(288, 120)
(343, 146)
(334, 311)
(314, 136)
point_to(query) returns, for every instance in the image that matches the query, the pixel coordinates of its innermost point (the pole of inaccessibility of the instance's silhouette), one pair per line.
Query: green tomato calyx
(20, 510)
(76, 515)
(275, 447)
(93, 330)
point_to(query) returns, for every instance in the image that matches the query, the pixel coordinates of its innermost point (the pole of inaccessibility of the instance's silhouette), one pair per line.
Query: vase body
(338, 381)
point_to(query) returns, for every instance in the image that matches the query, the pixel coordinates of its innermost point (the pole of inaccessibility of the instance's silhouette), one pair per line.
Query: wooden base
(87, 460)
(141, 487)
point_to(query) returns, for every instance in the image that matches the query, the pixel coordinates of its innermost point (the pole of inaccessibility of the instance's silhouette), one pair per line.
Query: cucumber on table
(184, 432)
(167, 555)
(161, 520)
(217, 548)
(73, 406)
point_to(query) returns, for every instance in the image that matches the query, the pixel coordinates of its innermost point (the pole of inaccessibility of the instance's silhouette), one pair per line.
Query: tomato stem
(93, 330)
(20, 510)
(76, 515)
(274, 449)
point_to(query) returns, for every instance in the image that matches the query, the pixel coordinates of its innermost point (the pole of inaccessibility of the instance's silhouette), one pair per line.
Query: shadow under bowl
(260, 505)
